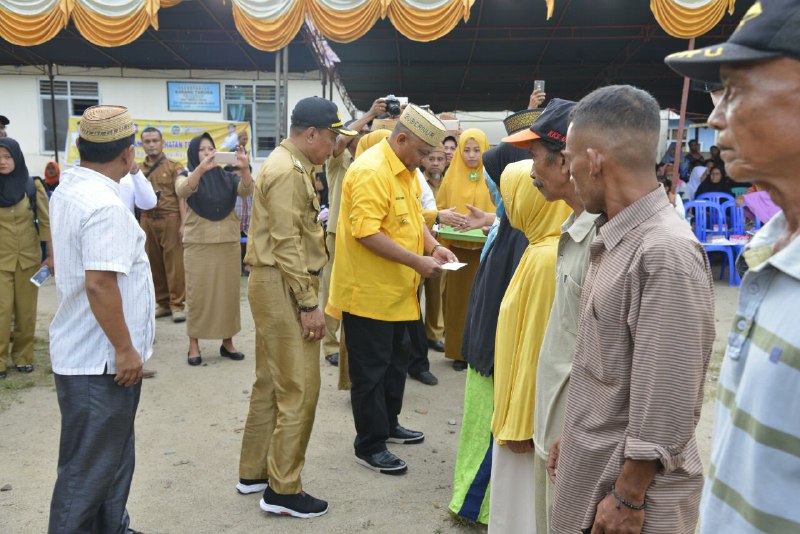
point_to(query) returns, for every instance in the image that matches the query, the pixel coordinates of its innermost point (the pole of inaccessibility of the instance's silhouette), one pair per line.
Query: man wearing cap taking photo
(103, 328)
(286, 253)
(382, 248)
(753, 481)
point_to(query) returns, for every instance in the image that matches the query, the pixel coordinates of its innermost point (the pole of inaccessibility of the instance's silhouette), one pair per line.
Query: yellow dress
(525, 308)
(457, 190)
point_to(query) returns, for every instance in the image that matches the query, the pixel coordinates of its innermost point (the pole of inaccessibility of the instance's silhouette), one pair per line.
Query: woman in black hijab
(211, 251)
(21, 230)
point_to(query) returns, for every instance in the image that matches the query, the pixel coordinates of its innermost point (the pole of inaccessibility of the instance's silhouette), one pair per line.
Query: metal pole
(681, 121)
(53, 110)
(278, 122)
(285, 95)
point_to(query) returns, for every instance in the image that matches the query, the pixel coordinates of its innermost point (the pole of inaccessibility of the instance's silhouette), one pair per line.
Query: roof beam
(152, 33)
(471, 53)
(230, 37)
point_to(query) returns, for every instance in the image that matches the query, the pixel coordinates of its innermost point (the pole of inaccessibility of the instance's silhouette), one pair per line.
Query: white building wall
(143, 92)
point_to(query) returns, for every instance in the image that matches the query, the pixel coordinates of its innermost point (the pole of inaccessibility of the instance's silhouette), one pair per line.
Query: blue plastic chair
(719, 198)
(701, 214)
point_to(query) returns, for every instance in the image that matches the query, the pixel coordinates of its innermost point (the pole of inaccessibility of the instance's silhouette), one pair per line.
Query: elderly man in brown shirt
(286, 253)
(628, 457)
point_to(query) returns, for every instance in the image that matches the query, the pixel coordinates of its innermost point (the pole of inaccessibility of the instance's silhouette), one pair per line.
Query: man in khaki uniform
(163, 227)
(337, 165)
(434, 166)
(286, 253)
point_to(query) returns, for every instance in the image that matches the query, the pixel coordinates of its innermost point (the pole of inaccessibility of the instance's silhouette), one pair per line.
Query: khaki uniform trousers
(434, 320)
(18, 298)
(330, 343)
(286, 389)
(165, 252)
(458, 286)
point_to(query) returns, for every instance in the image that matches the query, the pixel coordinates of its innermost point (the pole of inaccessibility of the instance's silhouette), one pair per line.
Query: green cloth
(473, 445)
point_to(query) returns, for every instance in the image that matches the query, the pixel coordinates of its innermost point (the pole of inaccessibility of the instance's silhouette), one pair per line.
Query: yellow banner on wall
(176, 134)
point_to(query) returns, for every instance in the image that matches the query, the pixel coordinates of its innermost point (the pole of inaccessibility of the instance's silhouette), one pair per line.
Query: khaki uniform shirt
(558, 346)
(163, 180)
(337, 168)
(204, 231)
(637, 380)
(285, 231)
(19, 242)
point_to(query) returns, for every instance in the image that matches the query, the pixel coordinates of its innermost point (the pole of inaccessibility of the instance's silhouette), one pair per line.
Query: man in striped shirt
(628, 458)
(754, 478)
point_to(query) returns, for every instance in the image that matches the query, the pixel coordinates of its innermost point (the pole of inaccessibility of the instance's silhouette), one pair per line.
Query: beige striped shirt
(644, 339)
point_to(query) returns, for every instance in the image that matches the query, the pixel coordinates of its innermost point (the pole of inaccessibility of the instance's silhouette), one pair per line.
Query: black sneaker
(247, 486)
(383, 462)
(300, 505)
(426, 377)
(405, 436)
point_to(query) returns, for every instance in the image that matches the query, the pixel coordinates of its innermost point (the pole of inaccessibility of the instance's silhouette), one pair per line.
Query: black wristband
(306, 309)
(621, 501)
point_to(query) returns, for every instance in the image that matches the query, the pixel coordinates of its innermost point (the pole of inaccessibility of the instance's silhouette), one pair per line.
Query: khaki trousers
(18, 298)
(165, 251)
(434, 321)
(286, 389)
(330, 343)
(458, 286)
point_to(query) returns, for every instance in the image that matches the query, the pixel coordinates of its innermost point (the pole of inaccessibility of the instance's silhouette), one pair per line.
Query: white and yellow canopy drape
(689, 18)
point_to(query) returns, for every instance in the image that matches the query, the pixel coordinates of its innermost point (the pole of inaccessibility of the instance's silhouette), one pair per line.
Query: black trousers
(418, 348)
(378, 362)
(96, 455)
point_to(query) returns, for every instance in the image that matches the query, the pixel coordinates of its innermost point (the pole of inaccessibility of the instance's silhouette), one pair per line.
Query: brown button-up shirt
(285, 231)
(644, 339)
(163, 179)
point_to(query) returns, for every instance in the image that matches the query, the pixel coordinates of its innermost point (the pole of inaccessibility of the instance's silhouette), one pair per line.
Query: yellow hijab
(370, 140)
(525, 308)
(457, 189)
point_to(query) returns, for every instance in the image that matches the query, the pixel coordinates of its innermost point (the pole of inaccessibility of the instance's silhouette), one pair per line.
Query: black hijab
(495, 159)
(494, 273)
(13, 186)
(216, 193)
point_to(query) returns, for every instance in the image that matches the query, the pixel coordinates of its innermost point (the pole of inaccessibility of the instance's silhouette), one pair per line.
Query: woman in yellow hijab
(463, 185)
(521, 324)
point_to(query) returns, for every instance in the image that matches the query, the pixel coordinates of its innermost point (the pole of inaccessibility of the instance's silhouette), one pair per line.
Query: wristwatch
(306, 309)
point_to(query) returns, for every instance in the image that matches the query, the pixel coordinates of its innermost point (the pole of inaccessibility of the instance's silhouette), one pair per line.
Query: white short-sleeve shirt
(94, 231)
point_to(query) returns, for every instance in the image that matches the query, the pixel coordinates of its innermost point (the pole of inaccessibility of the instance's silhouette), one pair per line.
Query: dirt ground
(188, 434)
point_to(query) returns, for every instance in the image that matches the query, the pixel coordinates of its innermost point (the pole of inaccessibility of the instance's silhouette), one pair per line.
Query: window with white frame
(257, 105)
(71, 99)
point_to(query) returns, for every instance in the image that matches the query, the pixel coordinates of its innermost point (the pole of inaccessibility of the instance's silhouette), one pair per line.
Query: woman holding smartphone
(211, 252)
(21, 230)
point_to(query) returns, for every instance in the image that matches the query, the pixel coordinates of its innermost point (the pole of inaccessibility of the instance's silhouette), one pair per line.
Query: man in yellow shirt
(382, 248)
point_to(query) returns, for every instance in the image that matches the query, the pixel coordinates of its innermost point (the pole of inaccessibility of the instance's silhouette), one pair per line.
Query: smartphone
(41, 276)
(225, 158)
(538, 85)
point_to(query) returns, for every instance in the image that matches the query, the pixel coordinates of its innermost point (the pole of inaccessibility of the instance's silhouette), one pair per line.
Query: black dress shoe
(25, 368)
(333, 359)
(426, 377)
(405, 436)
(225, 353)
(194, 360)
(459, 365)
(383, 462)
(438, 346)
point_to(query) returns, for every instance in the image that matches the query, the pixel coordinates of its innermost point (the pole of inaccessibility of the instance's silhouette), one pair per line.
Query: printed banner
(176, 134)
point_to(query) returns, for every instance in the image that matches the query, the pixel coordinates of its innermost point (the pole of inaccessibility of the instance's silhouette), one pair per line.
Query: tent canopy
(486, 63)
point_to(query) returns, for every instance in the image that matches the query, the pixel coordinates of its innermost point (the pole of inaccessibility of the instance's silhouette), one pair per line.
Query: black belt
(314, 273)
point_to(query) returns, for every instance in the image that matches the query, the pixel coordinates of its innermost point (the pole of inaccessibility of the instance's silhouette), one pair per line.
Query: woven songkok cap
(521, 120)
(383, 124)
(104, 124)
(423, 124)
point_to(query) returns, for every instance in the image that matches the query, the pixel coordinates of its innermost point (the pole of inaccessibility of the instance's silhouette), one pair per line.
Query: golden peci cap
(423, 124)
